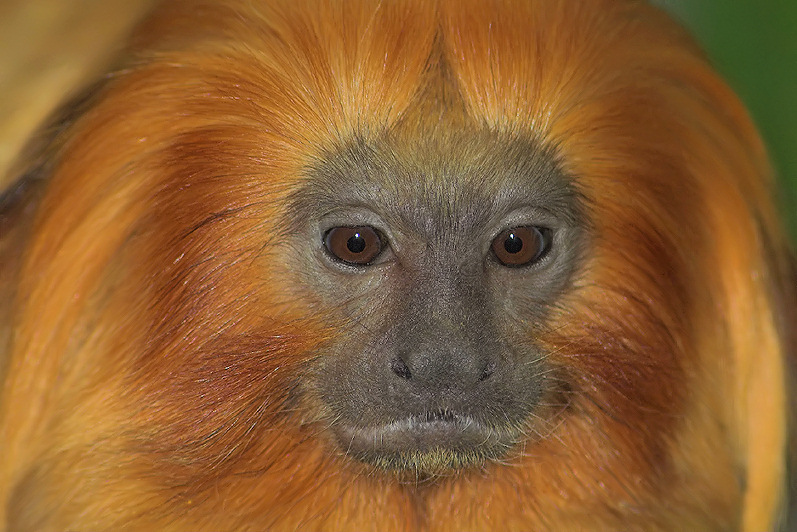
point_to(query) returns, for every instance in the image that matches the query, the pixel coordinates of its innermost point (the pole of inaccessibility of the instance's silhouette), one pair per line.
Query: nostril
(400, 368)
(488, 370)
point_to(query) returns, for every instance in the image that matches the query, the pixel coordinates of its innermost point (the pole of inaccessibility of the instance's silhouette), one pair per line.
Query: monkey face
(443, 259)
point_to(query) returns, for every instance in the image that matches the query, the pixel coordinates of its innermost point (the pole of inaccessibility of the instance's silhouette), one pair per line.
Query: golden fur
(154, 331)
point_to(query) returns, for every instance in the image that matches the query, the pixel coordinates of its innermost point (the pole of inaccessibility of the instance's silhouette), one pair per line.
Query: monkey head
(349, 264)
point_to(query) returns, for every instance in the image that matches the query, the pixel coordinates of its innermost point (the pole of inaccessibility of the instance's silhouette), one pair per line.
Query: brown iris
(353, 245)
(520, 246)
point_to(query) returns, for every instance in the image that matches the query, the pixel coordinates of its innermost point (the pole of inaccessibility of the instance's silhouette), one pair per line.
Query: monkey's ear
(789, 518)
(763, 396)
(765, 414)
(28, 177)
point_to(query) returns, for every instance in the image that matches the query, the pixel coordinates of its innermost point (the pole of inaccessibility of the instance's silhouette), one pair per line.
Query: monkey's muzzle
(431, 443)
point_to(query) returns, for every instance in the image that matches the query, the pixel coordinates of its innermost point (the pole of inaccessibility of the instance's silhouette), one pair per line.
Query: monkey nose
(400, 368)
(432, 369)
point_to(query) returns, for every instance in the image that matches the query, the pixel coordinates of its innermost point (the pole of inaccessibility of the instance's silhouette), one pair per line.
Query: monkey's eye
(520, 246)
(353, 245)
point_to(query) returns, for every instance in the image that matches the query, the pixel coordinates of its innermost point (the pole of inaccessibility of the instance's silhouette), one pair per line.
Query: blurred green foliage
(754, 44)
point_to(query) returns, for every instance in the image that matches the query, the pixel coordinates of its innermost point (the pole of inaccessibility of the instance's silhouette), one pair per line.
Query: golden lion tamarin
(406, 265)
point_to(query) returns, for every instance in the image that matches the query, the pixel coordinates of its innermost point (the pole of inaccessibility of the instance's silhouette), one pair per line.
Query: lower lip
(436, 442)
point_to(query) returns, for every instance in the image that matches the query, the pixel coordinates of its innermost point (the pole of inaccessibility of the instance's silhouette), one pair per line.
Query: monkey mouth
(430, 443)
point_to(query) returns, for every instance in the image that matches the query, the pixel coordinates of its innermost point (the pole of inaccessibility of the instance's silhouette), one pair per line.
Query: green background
(754, 44)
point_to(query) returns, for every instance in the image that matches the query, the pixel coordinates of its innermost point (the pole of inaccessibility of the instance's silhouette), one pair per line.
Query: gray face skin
(437, 367)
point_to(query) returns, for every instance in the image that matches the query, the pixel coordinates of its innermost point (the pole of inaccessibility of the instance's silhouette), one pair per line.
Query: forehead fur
(599, 86)
(358, 66)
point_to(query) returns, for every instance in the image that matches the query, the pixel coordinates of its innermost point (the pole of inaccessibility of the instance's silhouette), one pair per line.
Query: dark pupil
(513, 243)
(356, 243)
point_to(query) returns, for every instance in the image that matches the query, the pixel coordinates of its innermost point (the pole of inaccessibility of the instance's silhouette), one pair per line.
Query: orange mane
(157, 334)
